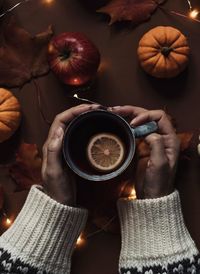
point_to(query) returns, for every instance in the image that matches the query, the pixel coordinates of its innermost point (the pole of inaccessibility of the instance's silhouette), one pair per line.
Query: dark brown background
(120, 81)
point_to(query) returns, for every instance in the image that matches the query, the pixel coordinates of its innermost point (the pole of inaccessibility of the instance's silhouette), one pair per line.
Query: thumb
(54, 150)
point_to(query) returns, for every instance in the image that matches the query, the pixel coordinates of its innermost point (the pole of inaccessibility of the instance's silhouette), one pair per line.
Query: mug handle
(145, 129)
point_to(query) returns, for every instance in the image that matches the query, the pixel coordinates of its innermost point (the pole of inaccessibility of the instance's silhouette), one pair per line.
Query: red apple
(73, 58)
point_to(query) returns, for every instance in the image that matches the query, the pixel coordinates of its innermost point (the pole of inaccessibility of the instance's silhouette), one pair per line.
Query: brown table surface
(120, 81)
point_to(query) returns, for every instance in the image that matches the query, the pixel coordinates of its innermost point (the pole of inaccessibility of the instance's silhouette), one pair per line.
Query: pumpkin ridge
(178, 38)
(10, 126)
(178, 47)
(7, 97)
(155, 64)
(180, 53)
(2, 113)
(181, 64)
(10, 106)
(154, 67)
(147, 58)
(178, 65)
(7, 127)
(175, 39)
(142, 51)
(9, 110)
(155, 39)
(149, 47)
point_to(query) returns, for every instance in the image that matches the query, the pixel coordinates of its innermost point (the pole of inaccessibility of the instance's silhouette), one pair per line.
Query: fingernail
(94, 106)
(114, 108)
(133, 122)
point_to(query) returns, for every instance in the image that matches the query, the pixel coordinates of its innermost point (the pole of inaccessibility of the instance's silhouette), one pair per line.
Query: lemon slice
(105, 151)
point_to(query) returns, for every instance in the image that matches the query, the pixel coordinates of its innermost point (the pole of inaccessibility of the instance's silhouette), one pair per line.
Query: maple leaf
(22, 56)
(136, 11)
(26, 170)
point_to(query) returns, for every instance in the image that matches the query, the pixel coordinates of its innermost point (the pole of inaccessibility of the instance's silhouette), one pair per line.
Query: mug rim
(103, 177)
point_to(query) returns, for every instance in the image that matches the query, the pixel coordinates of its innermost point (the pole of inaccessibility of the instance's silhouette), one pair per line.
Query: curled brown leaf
(26, 171)
(135, 11)
(22, 56)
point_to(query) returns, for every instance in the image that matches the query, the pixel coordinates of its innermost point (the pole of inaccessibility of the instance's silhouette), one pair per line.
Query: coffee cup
(90, 123)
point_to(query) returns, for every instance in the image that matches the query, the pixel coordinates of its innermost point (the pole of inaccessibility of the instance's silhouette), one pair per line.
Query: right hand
(158, 177)
(58, 180)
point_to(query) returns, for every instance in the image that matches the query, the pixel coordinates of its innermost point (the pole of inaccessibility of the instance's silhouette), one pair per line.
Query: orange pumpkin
(10, 114)
(163, 52)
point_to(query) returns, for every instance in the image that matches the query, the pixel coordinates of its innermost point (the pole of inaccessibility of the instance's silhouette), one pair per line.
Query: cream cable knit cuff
(44, 233)
(153, 232)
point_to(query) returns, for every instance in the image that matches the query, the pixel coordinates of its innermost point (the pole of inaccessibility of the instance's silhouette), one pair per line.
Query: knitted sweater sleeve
(155, 239)
(42, 238)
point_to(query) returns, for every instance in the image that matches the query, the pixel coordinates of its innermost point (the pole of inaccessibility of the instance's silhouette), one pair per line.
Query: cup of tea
(99, 145)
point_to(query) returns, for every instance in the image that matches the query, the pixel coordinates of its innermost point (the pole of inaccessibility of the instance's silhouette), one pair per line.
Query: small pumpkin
(163, 52)
(10, 114)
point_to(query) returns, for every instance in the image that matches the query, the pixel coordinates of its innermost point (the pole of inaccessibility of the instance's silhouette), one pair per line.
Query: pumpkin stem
(166, 51)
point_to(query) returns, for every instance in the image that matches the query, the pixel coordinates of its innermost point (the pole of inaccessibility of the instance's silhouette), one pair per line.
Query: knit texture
(154, 235)
(43, 234)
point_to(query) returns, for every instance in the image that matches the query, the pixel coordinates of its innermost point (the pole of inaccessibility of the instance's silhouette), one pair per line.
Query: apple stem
(65, 55)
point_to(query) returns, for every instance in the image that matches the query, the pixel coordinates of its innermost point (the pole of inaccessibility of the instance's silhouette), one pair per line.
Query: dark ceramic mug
(86, 125)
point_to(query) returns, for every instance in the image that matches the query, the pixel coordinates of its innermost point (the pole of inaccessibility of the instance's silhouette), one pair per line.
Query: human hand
(58, 180)
(164, 150)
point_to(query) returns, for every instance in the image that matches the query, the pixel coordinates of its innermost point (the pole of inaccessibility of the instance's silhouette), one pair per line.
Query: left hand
(58, 180)
(157, 180)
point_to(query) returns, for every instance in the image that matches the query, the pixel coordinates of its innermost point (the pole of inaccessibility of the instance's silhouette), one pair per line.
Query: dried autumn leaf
(22, 56)
(185, 139)
(26, 170)
(135, 11)
(144, 151)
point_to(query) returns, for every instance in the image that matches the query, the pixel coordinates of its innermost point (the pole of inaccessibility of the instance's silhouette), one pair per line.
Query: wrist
(153, 228)
(60, 197)
(155, 193)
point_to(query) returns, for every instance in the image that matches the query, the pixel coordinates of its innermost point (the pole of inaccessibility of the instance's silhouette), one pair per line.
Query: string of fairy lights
(82, 238)
(192, 13)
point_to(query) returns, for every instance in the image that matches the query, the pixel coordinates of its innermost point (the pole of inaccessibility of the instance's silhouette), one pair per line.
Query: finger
(65, 117)
(127, 111)
(44, 159)
(53, 156)
(158, 156)
(164, 124)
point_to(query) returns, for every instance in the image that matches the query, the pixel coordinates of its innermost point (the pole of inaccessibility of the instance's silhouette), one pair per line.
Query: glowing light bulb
(132, 195)
(76, 95)
(80, 241)
(8, 222)
(76, 81)
(48, 2)
(193, 13)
